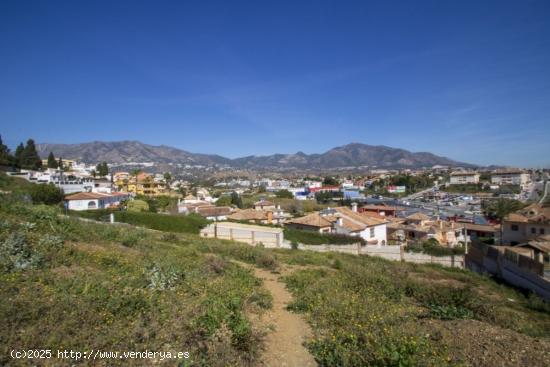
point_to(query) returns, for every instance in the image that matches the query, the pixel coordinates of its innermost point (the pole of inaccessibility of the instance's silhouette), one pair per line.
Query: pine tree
(19, 155)
(52, 163)
(5, 158)
(30, 158)
(102, 169)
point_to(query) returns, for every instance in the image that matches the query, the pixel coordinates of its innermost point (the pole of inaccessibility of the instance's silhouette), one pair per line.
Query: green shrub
(170, 237)
(216, 264)
(432, 247)
(131, 238)
(447, 303)
(191, 223)
(137, 206)
(51, 242)
(536, 303)
(262, 298)
(17, 254)
(266, 260)
(162, 278)
(48, 194)
(315, 238)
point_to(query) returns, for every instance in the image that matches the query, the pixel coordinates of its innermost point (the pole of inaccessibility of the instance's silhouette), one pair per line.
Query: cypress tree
(60, 163)
(5, 158)
(19, 155)
(102, 169)
(52, 163)
(30, 158)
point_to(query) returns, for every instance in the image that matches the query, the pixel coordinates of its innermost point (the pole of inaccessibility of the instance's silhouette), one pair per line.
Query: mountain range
(350, 155)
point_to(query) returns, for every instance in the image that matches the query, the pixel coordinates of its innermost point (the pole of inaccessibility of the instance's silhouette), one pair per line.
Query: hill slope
(121, 152)
(351, 155)
(67, 284)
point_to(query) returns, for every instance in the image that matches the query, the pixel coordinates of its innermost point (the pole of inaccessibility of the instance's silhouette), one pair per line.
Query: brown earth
(286, 331)
(478, 344)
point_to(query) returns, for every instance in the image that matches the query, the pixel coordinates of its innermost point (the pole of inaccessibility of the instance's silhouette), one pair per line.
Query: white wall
(380, 234)
(82, 204)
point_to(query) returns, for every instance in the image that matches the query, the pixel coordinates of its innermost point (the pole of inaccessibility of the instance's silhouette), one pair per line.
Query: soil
(478, 344)
(286, 331)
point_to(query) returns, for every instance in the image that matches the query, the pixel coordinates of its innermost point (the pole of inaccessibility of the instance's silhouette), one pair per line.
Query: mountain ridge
(349, 155)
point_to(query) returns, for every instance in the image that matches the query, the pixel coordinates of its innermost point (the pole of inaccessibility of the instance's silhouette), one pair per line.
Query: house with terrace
(526, 224)
(419, 227)
(345, 221)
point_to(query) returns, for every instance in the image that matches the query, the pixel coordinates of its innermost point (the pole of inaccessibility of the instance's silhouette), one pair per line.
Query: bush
(170, 237)
(315, 238)
(137, 206)
(266, 260)
(216, 264)
(161, 279)
(47, 194)
(131, 238)
(284, 194)
(446, 303)
(262, 298)
(432, 247)
(536, 303)
(17, 254)
(191, 223)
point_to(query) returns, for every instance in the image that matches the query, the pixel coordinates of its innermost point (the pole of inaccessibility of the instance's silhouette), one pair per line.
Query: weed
(161, 279)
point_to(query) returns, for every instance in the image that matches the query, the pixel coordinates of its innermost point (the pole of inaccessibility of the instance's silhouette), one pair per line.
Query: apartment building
(463, 178)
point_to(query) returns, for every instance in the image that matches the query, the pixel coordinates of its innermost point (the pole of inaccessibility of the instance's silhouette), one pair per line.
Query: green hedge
(191, 223)
(431, 247)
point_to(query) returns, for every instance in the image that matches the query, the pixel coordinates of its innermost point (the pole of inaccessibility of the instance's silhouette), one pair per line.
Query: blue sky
(466, 79)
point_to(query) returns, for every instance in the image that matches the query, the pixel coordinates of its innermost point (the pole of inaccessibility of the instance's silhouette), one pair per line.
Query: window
(514, 227)
(541, 231)
(533, 230)
(371, 232)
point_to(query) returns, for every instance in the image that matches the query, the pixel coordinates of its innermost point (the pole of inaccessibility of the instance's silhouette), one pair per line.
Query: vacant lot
(65, 284)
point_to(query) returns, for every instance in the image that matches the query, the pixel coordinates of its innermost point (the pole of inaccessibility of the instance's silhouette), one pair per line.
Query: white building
(463, 178)
(373, 230)
(343, 220)
(510, 177)
(251, 234)
(94, 200)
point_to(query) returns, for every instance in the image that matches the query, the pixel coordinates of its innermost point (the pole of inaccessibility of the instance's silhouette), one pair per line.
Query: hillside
(68, 284)
(121, 152)
(351, 155)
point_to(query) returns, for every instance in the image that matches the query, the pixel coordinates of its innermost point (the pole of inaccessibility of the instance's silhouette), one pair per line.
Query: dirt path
(284, 345)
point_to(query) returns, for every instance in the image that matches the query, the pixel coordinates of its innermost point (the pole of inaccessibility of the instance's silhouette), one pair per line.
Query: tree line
(25, 156)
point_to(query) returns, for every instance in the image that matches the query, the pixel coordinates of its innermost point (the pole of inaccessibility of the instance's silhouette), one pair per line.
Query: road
(420, 193)
(545, 197)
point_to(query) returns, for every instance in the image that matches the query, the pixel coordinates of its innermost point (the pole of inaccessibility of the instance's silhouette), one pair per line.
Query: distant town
(455, 212)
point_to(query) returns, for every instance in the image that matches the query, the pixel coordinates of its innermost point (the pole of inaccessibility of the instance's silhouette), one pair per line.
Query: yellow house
(142, 184)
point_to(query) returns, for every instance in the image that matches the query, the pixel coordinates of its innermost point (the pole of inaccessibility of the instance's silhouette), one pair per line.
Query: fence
(514, 268)
(390, 252)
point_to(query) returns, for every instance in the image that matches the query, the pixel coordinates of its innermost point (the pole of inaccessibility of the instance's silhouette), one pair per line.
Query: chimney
(354, 207)
(340, 221)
